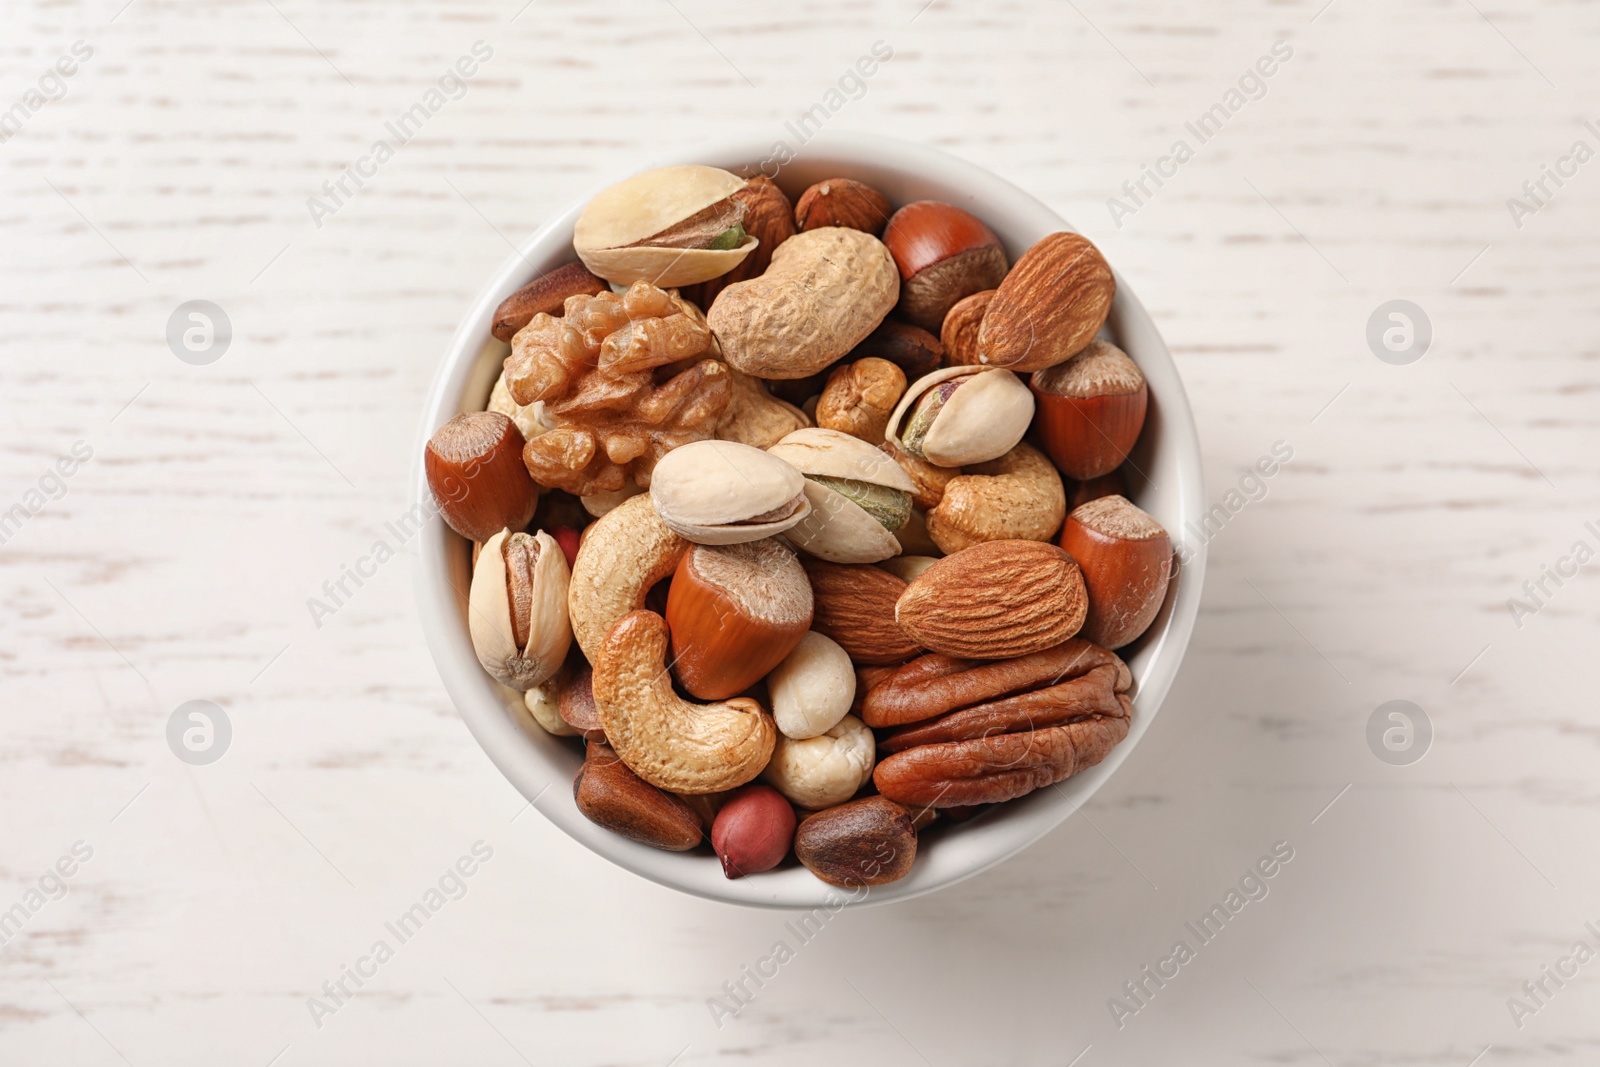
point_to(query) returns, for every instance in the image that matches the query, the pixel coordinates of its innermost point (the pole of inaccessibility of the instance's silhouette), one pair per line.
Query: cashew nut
(669, 742)
(822, 771)
(1016, 497)
(541, 704)
(625, 552)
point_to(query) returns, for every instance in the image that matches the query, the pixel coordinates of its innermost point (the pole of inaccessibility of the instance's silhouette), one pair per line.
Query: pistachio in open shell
(517, 608)
(962, 415)
(725, 493)
(859, 496)
(671, 227)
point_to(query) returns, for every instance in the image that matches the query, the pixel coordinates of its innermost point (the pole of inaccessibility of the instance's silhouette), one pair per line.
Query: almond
(854, 604)
(1049, 307)
(995, 600)
(547, 293)
(959, 334)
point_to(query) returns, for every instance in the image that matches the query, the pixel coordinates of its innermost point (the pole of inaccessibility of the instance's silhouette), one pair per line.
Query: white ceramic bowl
(542, 767)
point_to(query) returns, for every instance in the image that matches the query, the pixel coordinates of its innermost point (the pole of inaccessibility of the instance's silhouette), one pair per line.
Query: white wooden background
(219, 498)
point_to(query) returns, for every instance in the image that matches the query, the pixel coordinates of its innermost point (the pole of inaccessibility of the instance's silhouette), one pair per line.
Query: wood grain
(178, 561)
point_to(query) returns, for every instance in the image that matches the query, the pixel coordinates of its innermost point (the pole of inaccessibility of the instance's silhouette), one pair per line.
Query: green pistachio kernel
(732, 237)
(926, 409)
(891, 507)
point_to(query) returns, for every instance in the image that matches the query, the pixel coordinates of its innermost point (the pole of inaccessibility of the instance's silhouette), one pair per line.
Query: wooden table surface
(207, 905)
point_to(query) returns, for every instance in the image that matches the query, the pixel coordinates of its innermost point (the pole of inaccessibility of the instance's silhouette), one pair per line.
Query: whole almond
(995, 600)
(866, 842)
(959, 334)
(854, 604)
(1049, 307)
(842, 202)
(612, 796)
(547, 293)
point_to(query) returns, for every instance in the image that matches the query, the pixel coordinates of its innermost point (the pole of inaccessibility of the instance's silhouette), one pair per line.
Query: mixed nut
(807, 521)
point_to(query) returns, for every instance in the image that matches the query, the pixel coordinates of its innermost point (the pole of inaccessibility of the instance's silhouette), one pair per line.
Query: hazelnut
(859, 398)
(1126, 559)
(842, 202)
(475, 471)
(735, 611)
(911, 348)
(1091, 409)
(944, 254)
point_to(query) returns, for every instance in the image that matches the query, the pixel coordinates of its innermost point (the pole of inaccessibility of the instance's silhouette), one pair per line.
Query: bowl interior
(1166, 476)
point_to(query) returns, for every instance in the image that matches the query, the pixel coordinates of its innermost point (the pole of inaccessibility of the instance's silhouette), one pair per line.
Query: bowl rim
(528, 758)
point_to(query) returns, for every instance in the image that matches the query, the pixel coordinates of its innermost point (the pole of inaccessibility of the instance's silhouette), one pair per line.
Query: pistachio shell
(665, 268)
(489, 615)
(707, 491)
(841, 531)
(982, 420)
(647, 203)
(833, 454)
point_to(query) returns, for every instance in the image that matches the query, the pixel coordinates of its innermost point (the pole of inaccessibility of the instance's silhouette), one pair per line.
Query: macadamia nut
(822, 771)
(813, 688)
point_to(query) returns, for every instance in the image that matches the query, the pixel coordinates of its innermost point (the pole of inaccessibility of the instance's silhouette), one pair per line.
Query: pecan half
(936, 684)
(1001, 767)
(983, 733)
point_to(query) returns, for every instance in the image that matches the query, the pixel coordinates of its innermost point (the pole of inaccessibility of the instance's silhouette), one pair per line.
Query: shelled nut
(866, 842)
(1016, 497)
(995, 600)
(753, 831)
(546, 293)
(859, 398)
(823, 770)
(855, 606)
(1051, 304)
(812, 688)
(959, 334)
(670, 742)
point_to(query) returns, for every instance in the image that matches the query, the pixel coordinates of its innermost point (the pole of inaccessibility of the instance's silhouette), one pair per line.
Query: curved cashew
(1016, 497)
(625, 552)
(664, 739)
